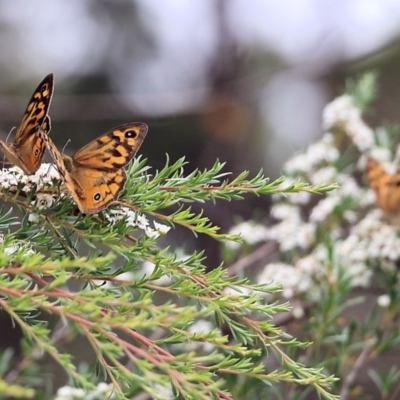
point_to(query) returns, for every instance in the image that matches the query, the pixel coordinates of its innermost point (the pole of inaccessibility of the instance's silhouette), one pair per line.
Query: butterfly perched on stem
(95, 175)
(27, 150)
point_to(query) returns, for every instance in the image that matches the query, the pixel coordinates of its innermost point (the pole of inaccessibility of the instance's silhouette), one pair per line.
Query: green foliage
(155, 330)
(337, 256)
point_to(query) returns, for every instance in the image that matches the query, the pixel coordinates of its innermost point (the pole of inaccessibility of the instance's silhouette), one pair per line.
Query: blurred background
(242, 81)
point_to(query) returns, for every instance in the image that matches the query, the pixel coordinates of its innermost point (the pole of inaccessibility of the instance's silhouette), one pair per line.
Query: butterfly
(28, 149)
(95, 175)
(385, 185)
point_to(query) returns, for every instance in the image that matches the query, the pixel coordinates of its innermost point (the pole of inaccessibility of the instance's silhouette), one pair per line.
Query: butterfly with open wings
(95, 175)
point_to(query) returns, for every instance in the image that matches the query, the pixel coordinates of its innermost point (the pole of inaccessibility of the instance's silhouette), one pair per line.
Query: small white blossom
(250, 232)
(305, 235)
(298, 312)
(324, 208)
(339, 111)
(301, 198)
(34, 218)
(285, 212)
(326, 175)
(383, 301)
(293, 280)
(11, 250)
(162, 229)
(69, 393)
(103, 391)
(44, 200)
(300, 163)
(343, 112)
(151, 233)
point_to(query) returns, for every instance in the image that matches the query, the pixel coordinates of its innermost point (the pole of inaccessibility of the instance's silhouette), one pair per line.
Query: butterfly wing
(113, 150)
(28, 148)
(386, 186)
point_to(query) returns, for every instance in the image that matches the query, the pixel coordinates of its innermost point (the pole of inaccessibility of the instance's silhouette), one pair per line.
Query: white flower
(285, 212)
(11, 250)
(250, 232)
(161, 228)
(305, 235)
(343, 112)
(298, 312)
(339, 111)
(326, 175)
(383, 301)
(69, 393)
(102, 391)
(300, 163)
(324, 208)
(292, 280)
(44, 200)
(300, 197)
(34, 218)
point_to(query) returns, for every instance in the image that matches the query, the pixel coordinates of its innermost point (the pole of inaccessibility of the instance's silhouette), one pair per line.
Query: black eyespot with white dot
(97, 197)
(130, 134)
(37, 152)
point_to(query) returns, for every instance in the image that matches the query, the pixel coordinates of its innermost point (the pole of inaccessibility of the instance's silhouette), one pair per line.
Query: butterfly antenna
(66, 144)
(3, 163)
(9, 133)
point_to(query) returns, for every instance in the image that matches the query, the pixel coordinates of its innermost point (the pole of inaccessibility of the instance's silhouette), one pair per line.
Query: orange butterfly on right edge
(385, 185)
(95, 175)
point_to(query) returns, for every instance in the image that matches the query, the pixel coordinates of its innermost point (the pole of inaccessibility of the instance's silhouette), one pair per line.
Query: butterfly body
(27, 151)
(385, 185)
(94, 175)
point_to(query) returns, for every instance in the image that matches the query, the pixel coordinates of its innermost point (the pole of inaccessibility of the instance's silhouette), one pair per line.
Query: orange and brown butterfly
(385, 185)
(95, 175)
(28, 148)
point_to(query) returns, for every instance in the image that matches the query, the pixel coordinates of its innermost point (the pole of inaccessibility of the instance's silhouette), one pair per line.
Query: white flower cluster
(250, 232)
(372, 241)
(291, 231)
(136, 220)
(42, 201)
(44, 176)
(316, 154)
(296, 279)
(103, 391)
(343, 112)
(306, 276)
(369, 242)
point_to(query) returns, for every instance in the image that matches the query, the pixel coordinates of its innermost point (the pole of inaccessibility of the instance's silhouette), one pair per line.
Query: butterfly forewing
(114, 149)
(28, 148)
